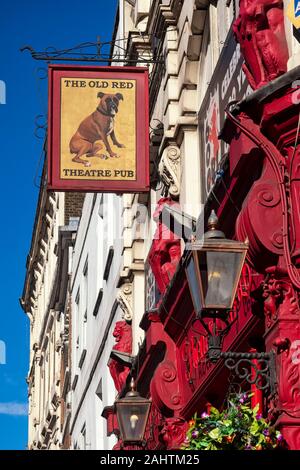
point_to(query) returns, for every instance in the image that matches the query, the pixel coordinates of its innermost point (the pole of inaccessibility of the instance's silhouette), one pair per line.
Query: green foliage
(238, 427)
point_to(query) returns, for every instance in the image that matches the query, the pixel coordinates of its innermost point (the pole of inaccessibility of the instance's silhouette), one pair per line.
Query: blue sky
(40, 24)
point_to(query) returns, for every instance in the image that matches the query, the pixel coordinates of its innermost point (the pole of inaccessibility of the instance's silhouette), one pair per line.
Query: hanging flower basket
(237, 427)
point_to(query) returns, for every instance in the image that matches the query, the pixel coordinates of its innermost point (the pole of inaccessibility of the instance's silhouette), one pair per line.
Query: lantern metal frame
(215, 245)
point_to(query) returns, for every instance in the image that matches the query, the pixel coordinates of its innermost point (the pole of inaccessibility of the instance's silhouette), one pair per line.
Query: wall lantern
(213, 271)
(132, 414)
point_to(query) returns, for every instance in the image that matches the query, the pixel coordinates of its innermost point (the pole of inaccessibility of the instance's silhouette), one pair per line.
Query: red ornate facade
(263, 179)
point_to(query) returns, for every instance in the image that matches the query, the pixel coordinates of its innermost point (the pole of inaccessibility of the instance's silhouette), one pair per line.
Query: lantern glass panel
(194, 285)
(219, 272)
(132, 418)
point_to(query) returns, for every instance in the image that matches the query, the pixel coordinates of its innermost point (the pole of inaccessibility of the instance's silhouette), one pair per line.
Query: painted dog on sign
(97, 127)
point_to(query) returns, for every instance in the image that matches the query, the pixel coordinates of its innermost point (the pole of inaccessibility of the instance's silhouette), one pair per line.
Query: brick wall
(73, 205)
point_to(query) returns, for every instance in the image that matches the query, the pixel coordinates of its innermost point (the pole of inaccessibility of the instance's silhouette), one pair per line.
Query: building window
(234, 7)
(85, 285)
(99, 391)
(98, 302)
(109, 259)
(83, 340)
(77, 319)
(82, 316)
(152, 294)
(224, 18)
(101, 206)
(100, 422)
(83, 445)
(84, 332)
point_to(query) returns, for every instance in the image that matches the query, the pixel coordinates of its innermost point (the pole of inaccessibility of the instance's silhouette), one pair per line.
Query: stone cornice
(161, 16)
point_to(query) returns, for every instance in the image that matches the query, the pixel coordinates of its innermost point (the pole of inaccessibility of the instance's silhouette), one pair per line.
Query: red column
(257, 397)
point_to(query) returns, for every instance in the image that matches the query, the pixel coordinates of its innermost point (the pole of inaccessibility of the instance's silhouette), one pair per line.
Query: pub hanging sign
(98, 135)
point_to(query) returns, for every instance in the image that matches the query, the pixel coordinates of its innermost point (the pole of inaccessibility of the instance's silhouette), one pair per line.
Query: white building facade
(46, 301)
(93, 292)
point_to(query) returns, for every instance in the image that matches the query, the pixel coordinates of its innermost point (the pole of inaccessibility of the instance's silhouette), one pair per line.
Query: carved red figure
(118, 371)
(174, 432)
(260, 31)
(165, 251)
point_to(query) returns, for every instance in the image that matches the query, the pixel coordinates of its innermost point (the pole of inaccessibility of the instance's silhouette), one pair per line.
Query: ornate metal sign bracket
(108, 52)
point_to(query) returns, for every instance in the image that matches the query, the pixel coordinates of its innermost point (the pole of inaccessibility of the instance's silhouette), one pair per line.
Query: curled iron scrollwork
(254, 368)
(108, 51)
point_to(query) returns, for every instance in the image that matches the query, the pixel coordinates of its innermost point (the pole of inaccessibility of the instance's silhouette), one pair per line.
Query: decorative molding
(170, 171)
(125, 300)
(281, 300)
(165, 386)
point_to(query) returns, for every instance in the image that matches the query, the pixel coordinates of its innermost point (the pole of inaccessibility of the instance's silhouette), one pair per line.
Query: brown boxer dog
(97, 126)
